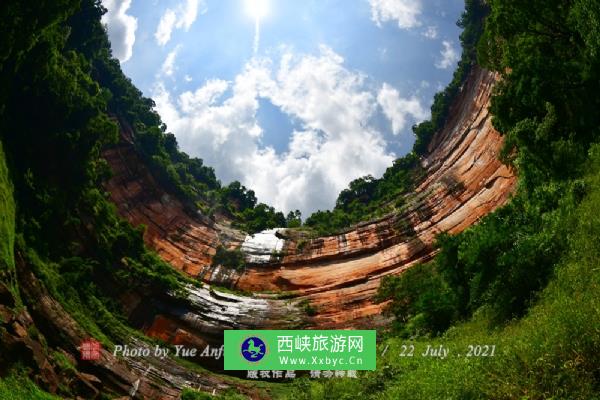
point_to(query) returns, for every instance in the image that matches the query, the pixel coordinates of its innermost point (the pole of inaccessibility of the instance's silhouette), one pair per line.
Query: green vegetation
(308, 308)
(293, 219)
(367, 198)
(301, 245)
(63, 363)
(548, 54)
(188, 178)
(547, 103)
(54, 120)
(526, 278)
(499, 263)
(19, 387)
(423, 302)
(549, 353)
(471, 22)
(63, 99)
(190, 394)
(233, 259)
(7, 228)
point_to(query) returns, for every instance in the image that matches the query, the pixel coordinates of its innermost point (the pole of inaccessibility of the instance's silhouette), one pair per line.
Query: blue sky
(297, 102)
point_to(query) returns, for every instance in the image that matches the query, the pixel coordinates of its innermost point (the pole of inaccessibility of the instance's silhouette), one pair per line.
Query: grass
(18, 387)
(63, 362)
(266, 389)
(7, 228)
(550, 353)
(191, 394)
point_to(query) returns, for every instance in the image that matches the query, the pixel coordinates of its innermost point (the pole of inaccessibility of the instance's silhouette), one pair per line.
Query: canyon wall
(463, 181)
(325, 282)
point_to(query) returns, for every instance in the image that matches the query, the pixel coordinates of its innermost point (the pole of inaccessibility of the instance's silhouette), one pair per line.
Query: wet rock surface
(263, 247)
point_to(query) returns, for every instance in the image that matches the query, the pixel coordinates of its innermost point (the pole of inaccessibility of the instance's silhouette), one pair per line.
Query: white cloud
(334, 142)
(182, 17)
(449, 56)
(322, 93)
(431, 32)
(397, 109)
(165, 27)
(121, 28)
(403, 12)
(168, 66)
(203, 97)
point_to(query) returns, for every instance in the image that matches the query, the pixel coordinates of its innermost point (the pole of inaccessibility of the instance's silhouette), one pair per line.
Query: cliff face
(463, 181)
(336, 275)
(186, 241)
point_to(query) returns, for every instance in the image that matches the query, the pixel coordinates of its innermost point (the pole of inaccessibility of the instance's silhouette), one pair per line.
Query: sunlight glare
(257, 9)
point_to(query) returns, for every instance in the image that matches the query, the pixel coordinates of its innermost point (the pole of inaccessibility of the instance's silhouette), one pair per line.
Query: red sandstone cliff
(338, 275)
(463, 182)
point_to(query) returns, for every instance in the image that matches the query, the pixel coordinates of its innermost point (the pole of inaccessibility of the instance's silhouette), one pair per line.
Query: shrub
(233, 259)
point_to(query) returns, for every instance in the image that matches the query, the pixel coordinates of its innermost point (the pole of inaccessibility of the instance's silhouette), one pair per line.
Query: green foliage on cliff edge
(500, 264)
(526, 278)
(547, 102)
(193, 182)
(7, 227)
(233, 259)
(546, 105)
(471, 22)
(54, 121)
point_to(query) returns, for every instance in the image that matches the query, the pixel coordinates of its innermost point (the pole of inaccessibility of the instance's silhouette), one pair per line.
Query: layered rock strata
(327, 282)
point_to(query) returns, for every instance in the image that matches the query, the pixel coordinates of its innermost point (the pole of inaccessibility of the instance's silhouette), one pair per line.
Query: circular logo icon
(253, 349)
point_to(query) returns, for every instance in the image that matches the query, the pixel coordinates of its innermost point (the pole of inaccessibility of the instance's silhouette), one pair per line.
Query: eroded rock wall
(463, 181)
(337, 275)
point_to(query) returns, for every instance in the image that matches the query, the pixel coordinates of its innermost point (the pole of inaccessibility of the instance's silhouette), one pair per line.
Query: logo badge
(90, 349)
(253, 349)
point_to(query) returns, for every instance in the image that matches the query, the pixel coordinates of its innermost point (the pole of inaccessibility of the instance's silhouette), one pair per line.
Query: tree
(294, 219)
